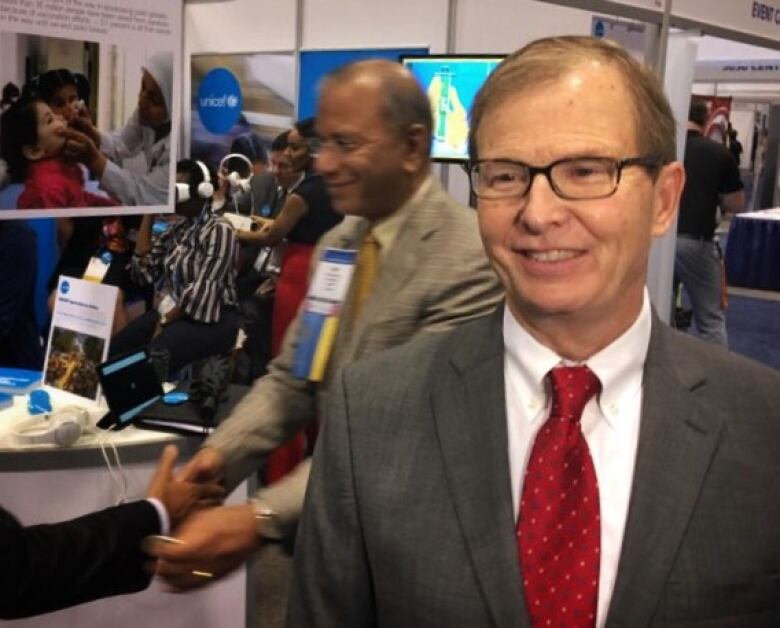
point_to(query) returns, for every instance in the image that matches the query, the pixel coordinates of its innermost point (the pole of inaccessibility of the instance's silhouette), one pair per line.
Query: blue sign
(219, 100)
(314, 64)
(64, 287)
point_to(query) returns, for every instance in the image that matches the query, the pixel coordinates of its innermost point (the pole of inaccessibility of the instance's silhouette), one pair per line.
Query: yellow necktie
(365, 272)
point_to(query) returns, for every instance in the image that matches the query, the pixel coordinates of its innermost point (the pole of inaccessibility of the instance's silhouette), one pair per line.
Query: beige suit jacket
(435, 276)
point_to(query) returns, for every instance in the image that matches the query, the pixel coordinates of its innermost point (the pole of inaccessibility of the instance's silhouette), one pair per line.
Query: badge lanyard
(322, 309)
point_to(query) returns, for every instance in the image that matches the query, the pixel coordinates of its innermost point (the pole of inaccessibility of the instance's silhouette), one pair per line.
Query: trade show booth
(225, 73)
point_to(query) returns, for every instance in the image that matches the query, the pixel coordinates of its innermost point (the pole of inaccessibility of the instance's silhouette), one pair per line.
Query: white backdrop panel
(344, 24)
(240, 26)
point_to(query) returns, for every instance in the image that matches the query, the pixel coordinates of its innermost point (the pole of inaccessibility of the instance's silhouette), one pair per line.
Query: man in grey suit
(374, 123)
(571, 460)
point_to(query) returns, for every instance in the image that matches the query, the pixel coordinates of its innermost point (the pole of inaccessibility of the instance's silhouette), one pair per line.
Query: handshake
(207, 540)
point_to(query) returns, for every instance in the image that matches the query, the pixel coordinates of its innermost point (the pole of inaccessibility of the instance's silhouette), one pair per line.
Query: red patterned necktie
(558, 530)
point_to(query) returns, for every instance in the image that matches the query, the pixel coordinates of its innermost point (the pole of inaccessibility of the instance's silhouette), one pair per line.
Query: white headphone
(235, 180)
(205, 188)
(62, 428)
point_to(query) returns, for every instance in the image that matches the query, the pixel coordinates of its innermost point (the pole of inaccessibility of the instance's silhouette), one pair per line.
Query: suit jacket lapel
(470, 417)
(677, 440)
(400, 262)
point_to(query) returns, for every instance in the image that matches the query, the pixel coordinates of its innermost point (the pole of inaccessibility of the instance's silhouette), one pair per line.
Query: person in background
(712, 180)
(10, 95)
(147, 133)
(258, 274)
(233, 175)
(284, 178)
(282, 169)
(306, 215)
(420, 270)
(53, 566)
(20, 344)
(191, 264)
(735, 146)
(258, 199)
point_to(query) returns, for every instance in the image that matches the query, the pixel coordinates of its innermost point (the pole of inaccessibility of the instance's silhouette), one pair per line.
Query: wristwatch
(264, 515)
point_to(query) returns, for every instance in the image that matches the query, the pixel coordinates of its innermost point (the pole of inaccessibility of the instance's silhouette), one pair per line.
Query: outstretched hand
(209, 544)
(205, 466)
(180, 497)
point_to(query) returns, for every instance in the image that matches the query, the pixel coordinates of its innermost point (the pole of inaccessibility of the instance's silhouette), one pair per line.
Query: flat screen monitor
(451, 82)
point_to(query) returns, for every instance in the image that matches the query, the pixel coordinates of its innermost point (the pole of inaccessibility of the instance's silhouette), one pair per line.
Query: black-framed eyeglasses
(573, 178)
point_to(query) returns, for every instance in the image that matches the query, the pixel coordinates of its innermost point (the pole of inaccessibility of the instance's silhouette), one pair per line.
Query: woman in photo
(147, 133)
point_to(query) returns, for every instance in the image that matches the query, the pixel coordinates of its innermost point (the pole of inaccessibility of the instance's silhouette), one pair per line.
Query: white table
(753, 250)
(44, 483)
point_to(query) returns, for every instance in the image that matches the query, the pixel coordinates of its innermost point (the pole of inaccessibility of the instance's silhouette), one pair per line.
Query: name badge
(322, 309)
(96, 269)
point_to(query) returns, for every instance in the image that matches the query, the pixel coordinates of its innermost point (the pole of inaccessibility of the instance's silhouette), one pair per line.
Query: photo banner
(238, 95)
(94, 132)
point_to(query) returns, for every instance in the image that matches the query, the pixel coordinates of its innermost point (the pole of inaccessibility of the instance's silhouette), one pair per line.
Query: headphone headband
(205, 188)
(204, 169)
(239, 156)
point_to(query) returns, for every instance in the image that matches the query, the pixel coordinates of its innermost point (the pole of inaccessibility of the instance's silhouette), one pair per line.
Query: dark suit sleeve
(332, 579)
(19, 265)
(48, 567)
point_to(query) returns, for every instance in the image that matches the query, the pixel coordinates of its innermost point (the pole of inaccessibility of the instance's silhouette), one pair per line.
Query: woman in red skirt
(305, 216)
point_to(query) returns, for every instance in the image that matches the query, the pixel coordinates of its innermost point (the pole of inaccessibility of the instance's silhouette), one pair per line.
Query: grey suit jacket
(262, 192)
(409, 520)
(435, 276)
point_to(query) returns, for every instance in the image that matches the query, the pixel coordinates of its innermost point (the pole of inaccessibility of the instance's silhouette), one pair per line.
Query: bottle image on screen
(443, 108)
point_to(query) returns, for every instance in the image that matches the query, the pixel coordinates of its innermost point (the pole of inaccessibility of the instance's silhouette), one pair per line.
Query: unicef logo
(65, 287)
(219, 100)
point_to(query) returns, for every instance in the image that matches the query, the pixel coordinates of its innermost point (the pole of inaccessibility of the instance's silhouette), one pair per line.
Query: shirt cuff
(162, 512)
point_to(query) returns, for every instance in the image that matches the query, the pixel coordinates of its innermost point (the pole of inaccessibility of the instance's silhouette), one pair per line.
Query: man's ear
(668, 189)
(416, 148)
(31, 152)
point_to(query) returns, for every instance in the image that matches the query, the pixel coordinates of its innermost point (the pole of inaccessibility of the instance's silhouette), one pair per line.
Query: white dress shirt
(610, 423)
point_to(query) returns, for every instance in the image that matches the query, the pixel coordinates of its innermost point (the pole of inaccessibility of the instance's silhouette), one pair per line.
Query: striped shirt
(194, 261)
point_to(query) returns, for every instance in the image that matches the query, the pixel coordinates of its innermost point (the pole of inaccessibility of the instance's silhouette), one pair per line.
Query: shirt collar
(387, 229)
(619, 366)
